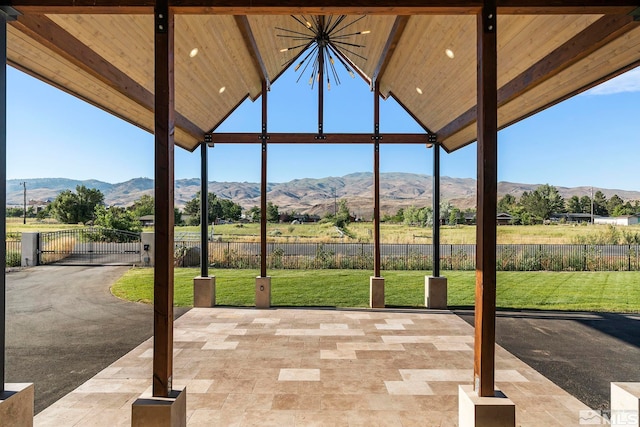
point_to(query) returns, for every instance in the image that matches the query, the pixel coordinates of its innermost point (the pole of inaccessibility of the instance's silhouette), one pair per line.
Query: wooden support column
(485, 302)
(376, 180)
(164, 200)
(436, 209)
(263, 186)
(3, 190)
(204, 212)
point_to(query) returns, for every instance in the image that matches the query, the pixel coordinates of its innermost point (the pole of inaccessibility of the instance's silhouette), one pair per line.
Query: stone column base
(435, 292)
(476, 411)
(204, 291)
(152, 411)
(376, 292)
(625, 404)
(16, 405)
(263, 292)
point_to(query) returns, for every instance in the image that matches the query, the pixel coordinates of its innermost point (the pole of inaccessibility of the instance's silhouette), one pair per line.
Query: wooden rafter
(390, 46)
(592, 38)
(252, 47)
(46, 32)
(312, 138)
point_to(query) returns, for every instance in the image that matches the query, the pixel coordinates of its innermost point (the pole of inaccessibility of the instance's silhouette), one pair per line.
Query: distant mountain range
(307, 195)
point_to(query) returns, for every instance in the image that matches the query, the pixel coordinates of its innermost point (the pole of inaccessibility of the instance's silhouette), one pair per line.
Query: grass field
(363, 232)
(574, 291)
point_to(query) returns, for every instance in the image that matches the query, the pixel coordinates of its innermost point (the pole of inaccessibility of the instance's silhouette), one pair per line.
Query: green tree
(506, 203)
(456, 216)
(145, 205)
(542, 202)
(585, 204)
(217, 209)
(273, 215)
(254, 214)
(342, 216)
(116, 218)
(574, 205)
(600, 204)
(615, 205)
(79, 207)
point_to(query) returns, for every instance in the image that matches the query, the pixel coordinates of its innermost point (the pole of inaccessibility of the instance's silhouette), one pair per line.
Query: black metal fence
(14, 250)
(412, 256)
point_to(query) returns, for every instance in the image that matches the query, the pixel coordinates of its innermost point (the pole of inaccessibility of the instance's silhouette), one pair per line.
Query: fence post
(584, 258)
(29, 249)
(629, 258)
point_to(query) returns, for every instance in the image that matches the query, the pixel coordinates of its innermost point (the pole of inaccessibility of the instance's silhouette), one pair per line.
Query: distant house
(572, 217)
(470, 218)
(504, 218)
(618, 220)
(147, 220)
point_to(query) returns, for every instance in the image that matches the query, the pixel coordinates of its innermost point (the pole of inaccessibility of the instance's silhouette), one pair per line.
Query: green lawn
(575, 291)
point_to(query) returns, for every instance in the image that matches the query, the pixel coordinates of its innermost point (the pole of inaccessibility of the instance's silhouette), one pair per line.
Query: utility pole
(592, 205)
(24, 215)
(335, 202)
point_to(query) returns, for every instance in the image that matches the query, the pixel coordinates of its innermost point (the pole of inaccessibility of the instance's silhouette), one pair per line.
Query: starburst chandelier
(322, 40)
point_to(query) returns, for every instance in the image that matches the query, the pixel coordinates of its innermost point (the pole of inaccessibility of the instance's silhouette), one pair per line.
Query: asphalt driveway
(64, 326)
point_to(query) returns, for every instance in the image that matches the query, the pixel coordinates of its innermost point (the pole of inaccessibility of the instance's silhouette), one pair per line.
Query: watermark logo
(606, 417)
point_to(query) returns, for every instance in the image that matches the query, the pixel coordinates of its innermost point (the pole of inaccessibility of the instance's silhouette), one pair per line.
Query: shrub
(13, 259)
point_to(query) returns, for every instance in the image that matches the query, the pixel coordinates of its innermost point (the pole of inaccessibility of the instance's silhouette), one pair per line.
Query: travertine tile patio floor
(314, 367)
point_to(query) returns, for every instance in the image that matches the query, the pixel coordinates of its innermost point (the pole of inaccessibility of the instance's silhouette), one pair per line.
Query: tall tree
(79, 207)
(585, 204)
(145, 205)
(542, 202)
(574, 205)
(506, 203)
(615, 205)
(600, 204)
(273, 215)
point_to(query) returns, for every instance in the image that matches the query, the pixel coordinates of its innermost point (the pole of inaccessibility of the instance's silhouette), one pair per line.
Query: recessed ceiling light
(419, 91)
(193, 52)
(449, 53)
(222, 89)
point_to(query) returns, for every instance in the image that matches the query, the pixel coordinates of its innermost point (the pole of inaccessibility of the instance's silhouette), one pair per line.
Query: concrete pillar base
(625, 404)
(204, 291)
(16, 405)
(435, 292)
(152, 411)
(263, 292)
(476, 411)
(376, 292)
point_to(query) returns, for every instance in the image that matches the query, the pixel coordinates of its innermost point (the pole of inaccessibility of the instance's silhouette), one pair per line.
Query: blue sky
(591, 139)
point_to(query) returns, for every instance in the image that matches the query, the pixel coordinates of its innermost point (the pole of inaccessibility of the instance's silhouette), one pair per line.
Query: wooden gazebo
(463, 69)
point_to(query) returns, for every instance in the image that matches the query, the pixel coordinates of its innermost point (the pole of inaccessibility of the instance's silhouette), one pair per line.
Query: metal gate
(89, 246)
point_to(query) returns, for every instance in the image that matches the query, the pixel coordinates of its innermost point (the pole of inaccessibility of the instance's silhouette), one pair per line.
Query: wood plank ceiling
(426, 62)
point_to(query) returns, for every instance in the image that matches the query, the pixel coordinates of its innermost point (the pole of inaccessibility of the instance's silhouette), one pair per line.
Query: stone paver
(286, 367)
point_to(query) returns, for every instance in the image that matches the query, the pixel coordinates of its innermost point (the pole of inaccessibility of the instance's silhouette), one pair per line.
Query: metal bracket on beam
(636, 14)
(208, 139)
(9, 13)
(320, 137)
(162, 21)
(376, 133)
(432, 139)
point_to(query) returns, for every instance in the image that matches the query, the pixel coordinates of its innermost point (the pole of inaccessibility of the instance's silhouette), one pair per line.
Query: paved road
(64, 326)
(581, 352)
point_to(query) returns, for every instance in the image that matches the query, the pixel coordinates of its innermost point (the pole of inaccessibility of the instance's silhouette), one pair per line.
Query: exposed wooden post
(164, 200)
(436, 209)
(204, 211)
(485, 303)
(376, 179)
(3, 190)
(263, 187)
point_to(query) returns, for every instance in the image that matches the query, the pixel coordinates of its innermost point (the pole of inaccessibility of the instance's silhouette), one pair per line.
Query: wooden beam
(312, 138)
(390, 46)
(485, 300)
(3, 192)
(164, 201)
(252, 47)
(583, 44)
(323, 7)
(376, 180)
(46, 32)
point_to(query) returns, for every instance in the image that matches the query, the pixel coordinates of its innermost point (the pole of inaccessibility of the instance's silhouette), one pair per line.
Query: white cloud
(627, 82)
